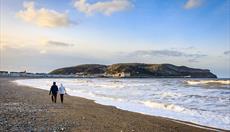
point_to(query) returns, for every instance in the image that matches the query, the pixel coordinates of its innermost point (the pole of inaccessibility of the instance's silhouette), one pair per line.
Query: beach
(28, 109)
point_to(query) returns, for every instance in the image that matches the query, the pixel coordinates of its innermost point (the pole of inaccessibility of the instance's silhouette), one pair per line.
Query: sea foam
(180, 99)
(195, 82)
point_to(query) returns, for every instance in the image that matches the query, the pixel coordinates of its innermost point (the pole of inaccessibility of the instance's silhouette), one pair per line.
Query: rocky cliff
(84, 69)
(138, 70)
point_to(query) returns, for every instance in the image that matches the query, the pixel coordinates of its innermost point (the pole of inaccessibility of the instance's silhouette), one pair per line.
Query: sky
(42, 35)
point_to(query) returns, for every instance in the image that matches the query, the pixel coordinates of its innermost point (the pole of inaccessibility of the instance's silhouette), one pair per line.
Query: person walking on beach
(62, 91)
(54, 91)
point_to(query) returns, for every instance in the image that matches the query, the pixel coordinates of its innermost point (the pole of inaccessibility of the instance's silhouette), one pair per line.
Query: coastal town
(48, 75)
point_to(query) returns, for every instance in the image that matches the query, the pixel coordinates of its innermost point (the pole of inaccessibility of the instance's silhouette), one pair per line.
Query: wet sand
(28, 109)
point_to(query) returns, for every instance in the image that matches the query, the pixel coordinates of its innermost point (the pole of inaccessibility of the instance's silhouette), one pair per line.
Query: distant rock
(85, 69)
(137, 70)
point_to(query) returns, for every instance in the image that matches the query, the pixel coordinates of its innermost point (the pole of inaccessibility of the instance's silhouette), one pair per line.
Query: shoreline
(95, 117)
(133, 77)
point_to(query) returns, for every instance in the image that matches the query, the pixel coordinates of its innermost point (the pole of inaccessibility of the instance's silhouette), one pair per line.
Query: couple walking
(55, 90)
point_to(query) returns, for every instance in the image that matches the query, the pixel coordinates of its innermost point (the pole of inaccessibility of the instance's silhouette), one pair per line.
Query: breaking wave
(170, 107)
(200, 82)
(206, 104)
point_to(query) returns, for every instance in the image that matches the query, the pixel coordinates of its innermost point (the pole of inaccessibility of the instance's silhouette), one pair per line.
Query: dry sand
(28, 109)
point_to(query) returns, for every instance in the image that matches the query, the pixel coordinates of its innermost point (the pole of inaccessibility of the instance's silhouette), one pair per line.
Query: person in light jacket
(62, 91)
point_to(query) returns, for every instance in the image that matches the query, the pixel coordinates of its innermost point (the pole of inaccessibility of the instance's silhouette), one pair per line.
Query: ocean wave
(170, 107)
(171, 98)
(171, 94)
(198, 82)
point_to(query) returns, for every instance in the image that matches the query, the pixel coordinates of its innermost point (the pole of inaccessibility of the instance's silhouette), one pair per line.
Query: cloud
(192, 57)
(57, 43)
(43, 17)
(192, 4)
(227, 52)
(106, 7)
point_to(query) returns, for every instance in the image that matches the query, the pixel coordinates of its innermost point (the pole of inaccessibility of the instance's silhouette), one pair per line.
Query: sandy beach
(28, 109)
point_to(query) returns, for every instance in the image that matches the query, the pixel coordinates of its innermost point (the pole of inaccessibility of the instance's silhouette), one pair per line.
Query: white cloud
(192, 4)
(58, 43)
(43, 17)
(106, 7)
(191, 57)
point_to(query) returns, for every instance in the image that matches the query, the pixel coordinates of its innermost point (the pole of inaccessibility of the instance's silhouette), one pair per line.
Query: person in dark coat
(54, 91)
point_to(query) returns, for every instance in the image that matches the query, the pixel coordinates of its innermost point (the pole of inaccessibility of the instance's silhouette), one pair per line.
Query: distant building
(46, 75)
(122, 74)
(4, 73)
(98, 75)
(15, 74)
(21, 74)
(29, 74)
(189, 76)
(79, 74)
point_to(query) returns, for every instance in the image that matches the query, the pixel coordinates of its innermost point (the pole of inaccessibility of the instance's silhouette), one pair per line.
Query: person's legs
(55, 98)
(61, 96)
(52, 98)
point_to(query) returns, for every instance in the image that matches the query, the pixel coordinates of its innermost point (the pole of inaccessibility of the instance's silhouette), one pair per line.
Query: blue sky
(42, 35)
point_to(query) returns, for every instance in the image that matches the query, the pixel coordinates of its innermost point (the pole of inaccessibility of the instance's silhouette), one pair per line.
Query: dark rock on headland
(138, 70)
(85, 68)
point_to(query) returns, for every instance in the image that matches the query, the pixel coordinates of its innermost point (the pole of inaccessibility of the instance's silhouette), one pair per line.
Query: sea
(201, 101)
